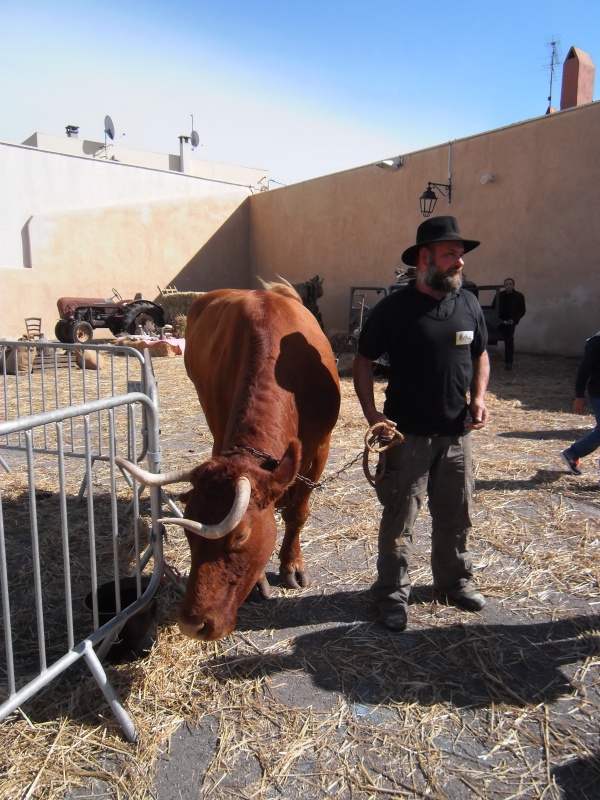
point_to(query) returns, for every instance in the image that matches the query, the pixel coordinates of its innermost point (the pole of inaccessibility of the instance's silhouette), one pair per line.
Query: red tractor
(80, 315)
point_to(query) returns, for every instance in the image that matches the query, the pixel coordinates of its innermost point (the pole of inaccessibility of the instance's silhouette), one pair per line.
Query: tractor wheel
(115, 326)
(81, 332)
(62, 331)
(144, 315)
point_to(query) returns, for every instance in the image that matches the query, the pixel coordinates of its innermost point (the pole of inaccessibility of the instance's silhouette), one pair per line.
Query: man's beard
(442, 281)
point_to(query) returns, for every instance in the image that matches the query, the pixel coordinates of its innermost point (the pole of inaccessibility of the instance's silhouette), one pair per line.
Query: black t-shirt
(430, 344)
(511, 305)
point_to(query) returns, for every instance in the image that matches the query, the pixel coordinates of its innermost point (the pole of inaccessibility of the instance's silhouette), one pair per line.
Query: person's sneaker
(394, 617)
(572, 463)
(467, 600)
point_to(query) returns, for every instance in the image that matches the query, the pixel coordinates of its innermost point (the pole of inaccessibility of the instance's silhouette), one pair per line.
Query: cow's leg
(293, 573)
(294, 513)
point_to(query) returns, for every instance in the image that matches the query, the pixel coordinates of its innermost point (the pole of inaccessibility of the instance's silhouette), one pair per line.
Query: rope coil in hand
(378, 442)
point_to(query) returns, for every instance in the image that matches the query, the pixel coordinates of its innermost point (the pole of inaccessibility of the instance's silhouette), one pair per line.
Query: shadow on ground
(465, 665)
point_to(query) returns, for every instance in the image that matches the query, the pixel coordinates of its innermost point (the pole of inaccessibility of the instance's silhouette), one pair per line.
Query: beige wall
(537, 222)
(72, 226)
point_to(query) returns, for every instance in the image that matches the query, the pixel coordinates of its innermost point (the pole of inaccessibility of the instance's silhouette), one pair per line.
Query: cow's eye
(239, 538)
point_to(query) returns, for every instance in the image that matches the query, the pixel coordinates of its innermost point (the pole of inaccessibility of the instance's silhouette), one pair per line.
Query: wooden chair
(33, 326)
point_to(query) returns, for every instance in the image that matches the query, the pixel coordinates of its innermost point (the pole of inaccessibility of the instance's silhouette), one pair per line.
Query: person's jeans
(442, 468)
(591, 441)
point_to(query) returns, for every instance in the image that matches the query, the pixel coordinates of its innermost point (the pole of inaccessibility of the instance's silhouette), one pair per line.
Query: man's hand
(579, 405)
(379, 417)
(477, 408)
(479, 416)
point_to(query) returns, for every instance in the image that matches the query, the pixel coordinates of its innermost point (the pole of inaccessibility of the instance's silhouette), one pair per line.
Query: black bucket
(138, 634)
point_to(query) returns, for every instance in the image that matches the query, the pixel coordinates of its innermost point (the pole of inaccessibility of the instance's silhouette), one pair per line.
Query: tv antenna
(195, 139)
(553, 43)
(109, 129)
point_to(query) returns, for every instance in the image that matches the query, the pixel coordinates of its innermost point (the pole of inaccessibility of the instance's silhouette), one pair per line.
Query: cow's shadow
(466, 665)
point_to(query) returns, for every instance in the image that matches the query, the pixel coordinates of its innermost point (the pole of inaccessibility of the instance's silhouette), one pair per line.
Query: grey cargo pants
(442, 468)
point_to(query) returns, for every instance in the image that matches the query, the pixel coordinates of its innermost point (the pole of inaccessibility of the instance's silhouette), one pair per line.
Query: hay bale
(157, 349)
(93, 359)
(179, 303)
(163, 349)
(179, 325)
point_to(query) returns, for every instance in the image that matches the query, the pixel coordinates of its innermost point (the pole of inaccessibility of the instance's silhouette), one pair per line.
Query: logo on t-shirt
(464, 337)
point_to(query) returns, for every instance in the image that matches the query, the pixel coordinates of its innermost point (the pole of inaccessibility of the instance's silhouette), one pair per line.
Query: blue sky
(299, 88)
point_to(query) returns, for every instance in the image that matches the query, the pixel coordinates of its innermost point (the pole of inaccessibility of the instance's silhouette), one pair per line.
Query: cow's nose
(194, 627)
(208, 626)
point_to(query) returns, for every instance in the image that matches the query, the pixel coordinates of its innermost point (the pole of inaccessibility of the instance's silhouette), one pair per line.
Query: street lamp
(428, 199)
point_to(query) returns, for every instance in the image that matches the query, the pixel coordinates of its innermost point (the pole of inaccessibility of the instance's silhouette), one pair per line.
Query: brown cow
(267, 382)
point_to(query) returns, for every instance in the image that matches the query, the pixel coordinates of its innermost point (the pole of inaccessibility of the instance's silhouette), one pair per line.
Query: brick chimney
(577, 80)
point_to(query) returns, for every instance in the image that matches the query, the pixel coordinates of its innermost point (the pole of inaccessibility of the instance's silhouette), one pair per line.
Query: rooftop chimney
(184, 154)
(577, 80)
(72, 131)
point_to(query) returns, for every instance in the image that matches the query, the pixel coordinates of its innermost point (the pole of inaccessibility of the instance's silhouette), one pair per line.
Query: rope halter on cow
(378, 442)
(270, 463)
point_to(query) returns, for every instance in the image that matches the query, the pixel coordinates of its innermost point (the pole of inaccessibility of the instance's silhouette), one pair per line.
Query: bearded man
(435, 336)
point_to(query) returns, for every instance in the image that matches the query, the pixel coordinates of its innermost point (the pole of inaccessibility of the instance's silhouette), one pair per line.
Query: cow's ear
(287, 469)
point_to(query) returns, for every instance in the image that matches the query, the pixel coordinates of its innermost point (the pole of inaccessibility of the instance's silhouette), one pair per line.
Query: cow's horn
(154, 478)
(240, 505)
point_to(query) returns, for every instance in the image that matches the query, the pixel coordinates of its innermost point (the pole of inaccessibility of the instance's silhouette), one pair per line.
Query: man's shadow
(542, 479)
(567, 435)
(579, 779)
(465, 665)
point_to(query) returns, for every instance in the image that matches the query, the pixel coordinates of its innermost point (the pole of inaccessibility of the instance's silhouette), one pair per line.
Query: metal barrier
(39, 376)
(54, 551)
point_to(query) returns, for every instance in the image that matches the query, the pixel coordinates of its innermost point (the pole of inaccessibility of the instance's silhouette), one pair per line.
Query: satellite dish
(109, 127)
(195, 139)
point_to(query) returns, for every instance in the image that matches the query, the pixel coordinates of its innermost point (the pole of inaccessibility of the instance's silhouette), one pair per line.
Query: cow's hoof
(300, 579)
(289, 581)
(260, 592)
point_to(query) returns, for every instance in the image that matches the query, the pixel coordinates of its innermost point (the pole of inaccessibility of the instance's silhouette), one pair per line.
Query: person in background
(588, 378)
(511, 309)
(435, 336)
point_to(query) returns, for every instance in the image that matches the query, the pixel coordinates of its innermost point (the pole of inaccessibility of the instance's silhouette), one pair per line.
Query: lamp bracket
(444, 188)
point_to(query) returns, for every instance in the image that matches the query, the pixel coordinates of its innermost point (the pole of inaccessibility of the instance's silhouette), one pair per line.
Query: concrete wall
(115, 151)
(537, 222)
(77, 226)
(81, 225)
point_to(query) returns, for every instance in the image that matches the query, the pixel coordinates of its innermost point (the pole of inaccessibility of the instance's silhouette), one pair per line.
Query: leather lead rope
(378, 442)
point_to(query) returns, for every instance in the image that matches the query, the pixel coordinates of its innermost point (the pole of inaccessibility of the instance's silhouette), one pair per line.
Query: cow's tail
(284, 288)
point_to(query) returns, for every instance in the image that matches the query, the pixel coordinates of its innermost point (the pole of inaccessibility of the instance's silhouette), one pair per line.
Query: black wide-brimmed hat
(437, 229)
